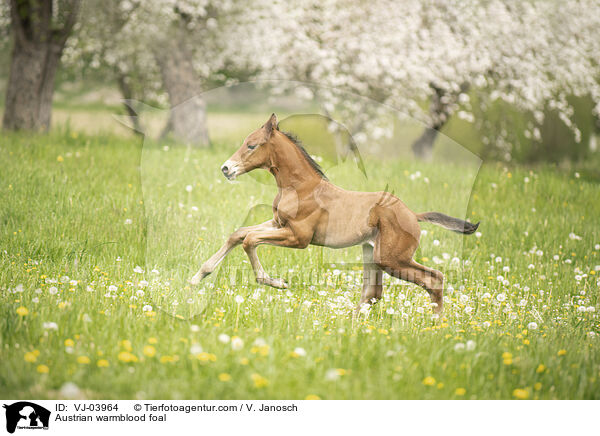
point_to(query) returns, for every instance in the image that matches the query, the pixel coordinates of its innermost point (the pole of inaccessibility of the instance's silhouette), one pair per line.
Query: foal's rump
(448, 222)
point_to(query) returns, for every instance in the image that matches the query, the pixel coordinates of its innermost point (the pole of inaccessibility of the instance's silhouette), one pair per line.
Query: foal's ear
(270, 125)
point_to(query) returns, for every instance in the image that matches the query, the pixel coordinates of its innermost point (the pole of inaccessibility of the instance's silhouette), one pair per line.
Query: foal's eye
(251, 147)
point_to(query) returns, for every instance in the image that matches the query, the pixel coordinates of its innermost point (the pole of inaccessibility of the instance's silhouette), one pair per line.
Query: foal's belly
(343, 227)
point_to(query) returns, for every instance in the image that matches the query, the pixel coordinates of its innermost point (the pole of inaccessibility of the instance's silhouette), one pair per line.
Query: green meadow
(100, 233)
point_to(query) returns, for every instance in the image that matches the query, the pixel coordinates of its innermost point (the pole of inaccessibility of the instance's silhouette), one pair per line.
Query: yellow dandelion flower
(62, 305)
(69, 343)
(521, 394)
(312, 397)
(149, 350)
(224, 377)
(60, 159)
(152, 340)
(429, 381)
(126, 344)
(259, 381)
(244, 361)
(203, 356)
(43, 369)
(341, 371)
(562, 352)
(508, 361)
(263, 350)
(84, 360)
(460, 391)
(22, 311)
(127, 357)
(440, 385)
(30, 357)
(506, 355)
(541, 368)
(102, 363)
(537, 386)
(167, 359)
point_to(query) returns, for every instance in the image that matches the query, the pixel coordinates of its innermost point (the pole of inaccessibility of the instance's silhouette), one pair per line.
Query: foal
(308, 209)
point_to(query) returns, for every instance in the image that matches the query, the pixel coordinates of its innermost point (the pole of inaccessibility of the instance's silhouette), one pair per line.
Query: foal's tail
(448, 222)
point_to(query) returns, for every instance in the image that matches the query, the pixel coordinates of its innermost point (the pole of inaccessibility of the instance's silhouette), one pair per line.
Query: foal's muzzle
(229, 170)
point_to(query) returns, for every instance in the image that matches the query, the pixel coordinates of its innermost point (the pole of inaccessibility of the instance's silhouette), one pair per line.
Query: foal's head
(255, 151)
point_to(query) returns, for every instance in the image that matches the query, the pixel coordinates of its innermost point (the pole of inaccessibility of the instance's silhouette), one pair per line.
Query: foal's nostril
(225, 169)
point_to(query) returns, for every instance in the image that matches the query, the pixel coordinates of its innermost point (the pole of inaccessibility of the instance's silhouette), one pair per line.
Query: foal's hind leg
(235, 239)
(372, 279)
(429, 279)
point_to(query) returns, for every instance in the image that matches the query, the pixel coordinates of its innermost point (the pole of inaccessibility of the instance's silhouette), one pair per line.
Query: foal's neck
(290, 167)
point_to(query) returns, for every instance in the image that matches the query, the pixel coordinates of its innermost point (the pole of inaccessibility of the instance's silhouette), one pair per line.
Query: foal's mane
(315, 166)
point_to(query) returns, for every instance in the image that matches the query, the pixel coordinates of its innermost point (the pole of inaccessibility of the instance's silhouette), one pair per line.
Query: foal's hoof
(275, 283)
(198, 278)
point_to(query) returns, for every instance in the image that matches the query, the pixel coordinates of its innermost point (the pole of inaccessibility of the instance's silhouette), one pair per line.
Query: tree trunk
(38, 43)
(423, 146)
(127, 95)
(439, 110)
(187, 117)
(30, 85)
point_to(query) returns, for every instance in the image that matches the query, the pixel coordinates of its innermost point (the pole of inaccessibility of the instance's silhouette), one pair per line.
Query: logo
(26, 415)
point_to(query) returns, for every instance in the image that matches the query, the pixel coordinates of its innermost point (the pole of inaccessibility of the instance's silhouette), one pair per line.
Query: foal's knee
(237, 237)
(248, 242)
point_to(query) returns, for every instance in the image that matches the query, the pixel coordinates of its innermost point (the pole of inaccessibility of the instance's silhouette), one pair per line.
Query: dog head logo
(26, 415)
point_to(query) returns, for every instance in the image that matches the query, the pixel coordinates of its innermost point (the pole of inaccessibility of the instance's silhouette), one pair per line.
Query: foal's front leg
(282, 237)
(233, 241)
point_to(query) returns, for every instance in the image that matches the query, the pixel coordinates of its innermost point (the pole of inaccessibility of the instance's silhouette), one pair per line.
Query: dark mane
(307, 156)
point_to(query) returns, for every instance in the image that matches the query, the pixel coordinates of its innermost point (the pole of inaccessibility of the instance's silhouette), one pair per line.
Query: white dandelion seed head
(470, 345)
(50, 326)
(332, 375)
(147, 308)
(532, 326)
(300, 351)
(501, 297)
(459, 347)
(223, 338)
(53, 290)
(196, 349)
(237, 344)
(70, 391)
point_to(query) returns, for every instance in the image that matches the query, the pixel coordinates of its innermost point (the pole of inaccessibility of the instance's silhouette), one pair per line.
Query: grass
(79, 213)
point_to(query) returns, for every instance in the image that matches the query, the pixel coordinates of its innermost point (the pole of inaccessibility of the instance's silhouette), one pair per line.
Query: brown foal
(308, 209)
